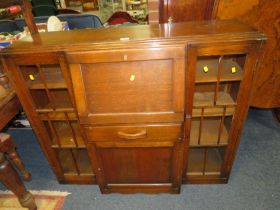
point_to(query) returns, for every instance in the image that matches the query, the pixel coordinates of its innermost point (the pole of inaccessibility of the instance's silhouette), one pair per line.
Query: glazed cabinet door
(218, 83)
(128, 86)
(43, 86)
(138, 158)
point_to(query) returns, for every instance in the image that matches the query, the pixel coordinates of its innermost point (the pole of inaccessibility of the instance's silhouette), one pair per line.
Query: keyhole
(132, 77)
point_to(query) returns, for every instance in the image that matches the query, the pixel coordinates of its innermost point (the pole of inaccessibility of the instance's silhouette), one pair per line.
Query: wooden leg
(10, 178)
(7, 146)
(276, 113)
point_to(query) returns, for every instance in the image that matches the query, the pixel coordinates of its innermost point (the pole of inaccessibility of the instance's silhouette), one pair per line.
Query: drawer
(163, 132)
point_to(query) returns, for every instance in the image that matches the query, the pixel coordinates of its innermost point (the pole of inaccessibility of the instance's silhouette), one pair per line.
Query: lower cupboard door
(134, 165)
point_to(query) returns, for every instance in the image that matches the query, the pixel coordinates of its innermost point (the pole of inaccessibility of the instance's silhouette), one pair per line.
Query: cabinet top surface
(150, 35)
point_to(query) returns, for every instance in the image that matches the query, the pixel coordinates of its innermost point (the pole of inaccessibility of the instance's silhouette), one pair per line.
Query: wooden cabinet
(138, 109)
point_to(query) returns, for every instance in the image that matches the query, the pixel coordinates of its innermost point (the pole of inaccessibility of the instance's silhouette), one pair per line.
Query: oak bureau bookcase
(138, 109)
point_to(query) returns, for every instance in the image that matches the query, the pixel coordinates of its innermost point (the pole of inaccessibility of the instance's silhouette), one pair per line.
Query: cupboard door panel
(136, 165)
(128, 86)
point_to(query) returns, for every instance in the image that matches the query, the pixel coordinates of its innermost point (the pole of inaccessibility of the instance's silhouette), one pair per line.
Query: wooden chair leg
(10, 178)
(7, 146)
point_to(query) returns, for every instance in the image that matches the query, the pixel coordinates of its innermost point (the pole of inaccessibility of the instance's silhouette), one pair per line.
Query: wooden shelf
(59, 107)
(224, 99)
(203, 99)
(207, 99)
(58, 116)
(48, 109)
(209, 133)
(68, 146)
(213, 111)
(212, 74)
(65, 136)
(198, 165)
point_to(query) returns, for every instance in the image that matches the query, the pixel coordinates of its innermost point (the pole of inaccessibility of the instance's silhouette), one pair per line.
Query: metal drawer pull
(141, 134)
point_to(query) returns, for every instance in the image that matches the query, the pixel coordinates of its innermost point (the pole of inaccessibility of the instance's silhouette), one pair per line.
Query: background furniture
(26, 12)
(120, 18)
(8, 26)
(67, 11)
(49, 10)
(75, 21)
(135, 117)
(44, 10)
(135, 8)
(89, 5)
(10, 12)
(187, 10)
(80, 21)
(43, 2)
(44, 7)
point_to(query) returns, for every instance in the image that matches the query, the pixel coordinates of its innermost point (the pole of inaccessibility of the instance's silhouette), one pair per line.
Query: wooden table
(9, 107)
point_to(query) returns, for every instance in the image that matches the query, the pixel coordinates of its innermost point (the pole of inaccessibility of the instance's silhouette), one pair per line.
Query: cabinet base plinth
(205, 180)
(73, 179)
(141, 188)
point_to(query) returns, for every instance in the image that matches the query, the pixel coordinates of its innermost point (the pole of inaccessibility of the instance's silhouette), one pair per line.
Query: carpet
(253, 185)
(45, 200)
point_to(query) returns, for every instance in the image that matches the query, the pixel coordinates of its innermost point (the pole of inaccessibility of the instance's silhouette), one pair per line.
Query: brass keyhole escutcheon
(132, 77)
(205, 69)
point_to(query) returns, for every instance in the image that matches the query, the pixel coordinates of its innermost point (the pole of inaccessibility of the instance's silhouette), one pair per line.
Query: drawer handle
(141, 134)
